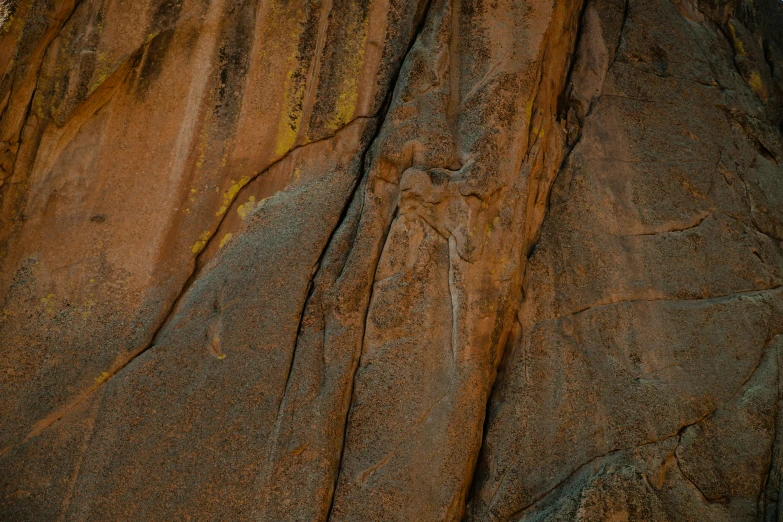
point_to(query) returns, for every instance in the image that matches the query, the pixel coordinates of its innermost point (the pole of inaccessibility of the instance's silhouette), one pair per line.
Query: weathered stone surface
(644, 310)
(391, 260)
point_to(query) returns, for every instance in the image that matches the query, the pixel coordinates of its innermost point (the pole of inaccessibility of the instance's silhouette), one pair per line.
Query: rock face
(404, 260)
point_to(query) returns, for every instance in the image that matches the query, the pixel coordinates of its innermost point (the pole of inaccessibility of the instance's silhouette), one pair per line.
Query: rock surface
(391, 260)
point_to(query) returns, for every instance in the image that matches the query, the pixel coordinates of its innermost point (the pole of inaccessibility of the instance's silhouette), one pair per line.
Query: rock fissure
(579, 468)
(718, 298)
(559, 124)
(617, 50)
(693, 484)
(677, 435)
(110, 374)
(365, 167)
(697, 222)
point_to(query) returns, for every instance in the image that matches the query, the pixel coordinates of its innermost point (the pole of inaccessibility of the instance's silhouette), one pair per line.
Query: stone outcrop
(391, 260)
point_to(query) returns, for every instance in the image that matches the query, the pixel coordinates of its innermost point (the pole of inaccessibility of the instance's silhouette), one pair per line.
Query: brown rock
(391, 260)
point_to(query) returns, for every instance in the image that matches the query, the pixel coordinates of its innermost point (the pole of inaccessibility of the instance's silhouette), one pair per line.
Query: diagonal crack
(58, 414)
(718, 298)
(579, 468)
(367, 473)
(697, 222)
(355, 370)
(452, 245)
(278, 424)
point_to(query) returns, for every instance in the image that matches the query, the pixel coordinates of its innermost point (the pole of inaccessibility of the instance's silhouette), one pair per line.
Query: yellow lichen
(103, 377)
(291, 117)
(226, 239)
(345, 105)
(295, 83)
(231, 193)
(7, 24)
(102, 72)
(739, 47)
(203, 145)
(199, 245)
(87, 306)
(755, 84)
(491, 226)
(245, 209)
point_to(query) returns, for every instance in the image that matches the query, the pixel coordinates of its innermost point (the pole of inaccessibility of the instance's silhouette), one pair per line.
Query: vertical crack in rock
(311, 400)
(507, 479)
(352, 378)
(453, 298)
(694, 485)
(626, 8)
(431, 198)
(551, 138)
(762, 502)
(329, 243)
(315, 68)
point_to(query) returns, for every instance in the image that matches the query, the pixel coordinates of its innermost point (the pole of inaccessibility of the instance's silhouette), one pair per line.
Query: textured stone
(391, 260)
